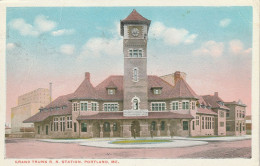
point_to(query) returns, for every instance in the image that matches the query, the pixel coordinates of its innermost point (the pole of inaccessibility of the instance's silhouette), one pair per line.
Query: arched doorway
(173, 128)
(96, 129)
(116, 129)
(135, 129)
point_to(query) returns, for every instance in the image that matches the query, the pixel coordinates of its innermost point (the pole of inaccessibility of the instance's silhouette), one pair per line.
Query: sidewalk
(177, 142)
(216, 139)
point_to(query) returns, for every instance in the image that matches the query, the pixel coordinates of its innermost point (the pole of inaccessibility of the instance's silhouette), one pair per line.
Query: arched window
(153, 125)
(106, 126)
(135, 104)
(135, 74)
(115, 127)
(162, 125)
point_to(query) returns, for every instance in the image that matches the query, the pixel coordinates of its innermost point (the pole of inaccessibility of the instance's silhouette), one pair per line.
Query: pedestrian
(151, 132)
(134, 132)
(172, 134)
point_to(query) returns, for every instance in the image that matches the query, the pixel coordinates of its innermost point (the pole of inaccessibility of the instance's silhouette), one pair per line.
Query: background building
(28, 105)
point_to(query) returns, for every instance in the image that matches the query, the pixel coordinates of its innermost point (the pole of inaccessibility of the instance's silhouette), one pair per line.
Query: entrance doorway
(135, 129)
(240, 127)
(96, 130)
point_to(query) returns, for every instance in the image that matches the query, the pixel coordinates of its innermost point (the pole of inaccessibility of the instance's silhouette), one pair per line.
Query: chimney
(87, 76)
(50, 89)
(216, 94)
(179, 75)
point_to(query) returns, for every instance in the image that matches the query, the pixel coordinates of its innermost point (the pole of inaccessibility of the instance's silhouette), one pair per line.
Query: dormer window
(111, 88)
(157, 90)
(111, 91)
(221, 103)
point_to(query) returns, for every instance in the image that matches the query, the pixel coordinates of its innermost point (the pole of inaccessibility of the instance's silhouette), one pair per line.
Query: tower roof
(134, 18)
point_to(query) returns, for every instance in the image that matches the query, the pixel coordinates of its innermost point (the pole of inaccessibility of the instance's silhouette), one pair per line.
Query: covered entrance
(135, 129)
(96, 129)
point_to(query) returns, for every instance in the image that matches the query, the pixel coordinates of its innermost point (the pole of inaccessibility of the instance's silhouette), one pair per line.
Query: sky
(212, 45)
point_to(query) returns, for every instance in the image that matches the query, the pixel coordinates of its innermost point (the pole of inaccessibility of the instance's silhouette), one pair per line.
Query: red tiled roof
(183, 90)
(135, 16)
(206, 111)
(101, 89)
(85, 91)
(41, 116)
(151, 115)
(60, 101)
(213, 101)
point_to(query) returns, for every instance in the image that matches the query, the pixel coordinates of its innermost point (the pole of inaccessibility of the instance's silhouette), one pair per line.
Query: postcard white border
(254, 161)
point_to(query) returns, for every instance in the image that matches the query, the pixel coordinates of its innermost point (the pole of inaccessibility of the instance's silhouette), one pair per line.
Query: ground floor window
(106, 126)
(162, 125)
(51, 126)
(38, 129)
(228, 127)
(56, 123)
(158, 106)
(83, 127)
(202, 123)
(62, 124)
(75, 127)
(193, 125)
(185, 125)
(115, 127)
(197, 120)
(153, 126)
(69, 122)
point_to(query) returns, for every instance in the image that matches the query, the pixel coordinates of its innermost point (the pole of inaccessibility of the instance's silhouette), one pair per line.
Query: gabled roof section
(111, 85)
(183, 90)
(111, 81)
(214, 100)
(85, 91)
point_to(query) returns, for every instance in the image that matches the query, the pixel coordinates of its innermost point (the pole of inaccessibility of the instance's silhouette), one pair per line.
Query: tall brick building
(133, 104)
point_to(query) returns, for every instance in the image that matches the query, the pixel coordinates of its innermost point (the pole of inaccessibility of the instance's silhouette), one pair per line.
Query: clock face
(135, 32)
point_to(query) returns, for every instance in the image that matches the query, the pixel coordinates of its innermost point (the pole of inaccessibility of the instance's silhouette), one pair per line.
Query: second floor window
(185, 105)
(158, 106)
(110, 107)
(75, 106)
(175, 105)
(69, 122)
(94, 106)
(84, 106)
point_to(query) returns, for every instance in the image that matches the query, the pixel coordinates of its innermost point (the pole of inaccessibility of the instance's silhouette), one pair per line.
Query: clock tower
(134, 30)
